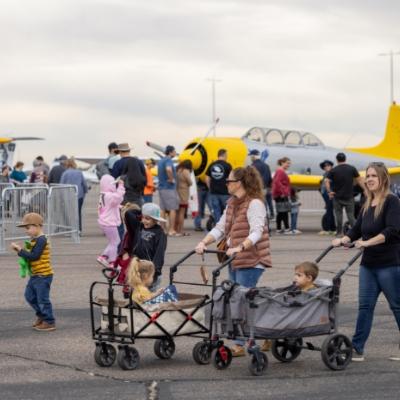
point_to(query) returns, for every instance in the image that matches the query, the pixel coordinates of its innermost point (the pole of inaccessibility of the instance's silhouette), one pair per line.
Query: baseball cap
(169, 149)
(152, 210)
(325, 163)
(254, 152)
(31, 219)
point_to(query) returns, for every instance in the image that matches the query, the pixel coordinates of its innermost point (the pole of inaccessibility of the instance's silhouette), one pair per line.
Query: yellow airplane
(306, 154)
(7, 148)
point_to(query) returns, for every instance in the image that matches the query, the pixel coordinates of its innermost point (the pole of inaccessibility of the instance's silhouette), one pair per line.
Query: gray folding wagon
(285, 315)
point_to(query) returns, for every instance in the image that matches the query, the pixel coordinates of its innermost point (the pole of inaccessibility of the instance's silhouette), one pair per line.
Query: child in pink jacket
(111, 196)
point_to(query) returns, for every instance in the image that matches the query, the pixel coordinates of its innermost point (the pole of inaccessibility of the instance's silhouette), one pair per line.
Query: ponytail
(137, 270)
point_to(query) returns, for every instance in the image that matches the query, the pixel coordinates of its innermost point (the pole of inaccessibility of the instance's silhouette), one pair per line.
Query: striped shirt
(38, 256)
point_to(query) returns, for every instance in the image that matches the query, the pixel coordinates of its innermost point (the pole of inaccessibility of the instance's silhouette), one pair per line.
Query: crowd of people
(240, 202)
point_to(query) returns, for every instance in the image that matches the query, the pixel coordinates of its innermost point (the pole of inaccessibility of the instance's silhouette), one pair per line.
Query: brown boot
(45, 327)
(238, 351)
(37, 322)
(266, 346)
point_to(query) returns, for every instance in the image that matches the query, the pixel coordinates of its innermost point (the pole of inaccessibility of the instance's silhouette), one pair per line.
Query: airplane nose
(195, 158)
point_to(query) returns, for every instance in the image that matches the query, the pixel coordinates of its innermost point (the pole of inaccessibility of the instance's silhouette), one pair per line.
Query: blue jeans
(329, 222)
(247, 277)
(37, 294)
(293, 221)
(204, 199)
(269, 204)
(218, 204)
(373, 281)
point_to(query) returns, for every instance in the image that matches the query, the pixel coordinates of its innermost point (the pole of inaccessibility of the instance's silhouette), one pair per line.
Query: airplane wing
(90, 160)
(305, 182)
(313, 182)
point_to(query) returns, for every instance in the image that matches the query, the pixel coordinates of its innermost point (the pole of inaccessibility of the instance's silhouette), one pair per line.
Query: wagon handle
(174, 267)
(329, 248)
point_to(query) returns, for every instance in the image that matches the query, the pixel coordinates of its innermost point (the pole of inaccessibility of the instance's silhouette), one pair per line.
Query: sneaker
(297, 232)
(357, 357)
(199, 229)
(267, 345)
(238, 351)
(45, 327)
(37, 322)
(323, 233)
(280, 231)
(103, 261)
(396, 355)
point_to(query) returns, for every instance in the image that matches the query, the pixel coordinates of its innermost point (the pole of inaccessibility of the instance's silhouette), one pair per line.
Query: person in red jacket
(281, 193)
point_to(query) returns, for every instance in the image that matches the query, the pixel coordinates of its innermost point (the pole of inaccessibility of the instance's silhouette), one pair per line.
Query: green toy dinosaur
(24, 265)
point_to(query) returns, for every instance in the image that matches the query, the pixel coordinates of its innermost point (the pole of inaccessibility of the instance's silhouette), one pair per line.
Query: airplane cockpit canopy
(272, 136)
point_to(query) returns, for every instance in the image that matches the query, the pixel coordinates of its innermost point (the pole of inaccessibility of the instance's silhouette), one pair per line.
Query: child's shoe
(103, 261)
(45, 327)
(238, 351)
(267, 345)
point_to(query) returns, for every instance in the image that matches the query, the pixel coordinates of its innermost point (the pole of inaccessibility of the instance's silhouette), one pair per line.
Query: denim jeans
(204, 198)
(293, 221)
(218, 204)
(329, 220)
(269, 204)
(338, 206)
(80, 205)
(37, 294)
(247, 277)
(373, 281)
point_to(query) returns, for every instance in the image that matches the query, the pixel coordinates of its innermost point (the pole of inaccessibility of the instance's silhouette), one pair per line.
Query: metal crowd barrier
(58, 205)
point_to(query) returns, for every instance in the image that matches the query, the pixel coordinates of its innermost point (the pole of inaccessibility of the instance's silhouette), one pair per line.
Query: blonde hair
(383, 191)
(138, 270)
(308, 268)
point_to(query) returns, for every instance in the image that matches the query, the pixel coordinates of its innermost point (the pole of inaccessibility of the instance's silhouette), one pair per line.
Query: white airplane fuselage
(306, 159)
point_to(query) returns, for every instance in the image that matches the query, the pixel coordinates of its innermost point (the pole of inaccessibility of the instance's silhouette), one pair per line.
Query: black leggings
(282, 217)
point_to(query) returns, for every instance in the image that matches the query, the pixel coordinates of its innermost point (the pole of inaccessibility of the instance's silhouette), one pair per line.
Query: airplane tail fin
(389, 147)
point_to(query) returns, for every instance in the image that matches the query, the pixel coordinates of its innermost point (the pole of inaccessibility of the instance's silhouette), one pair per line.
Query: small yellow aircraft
(306, 153)
(7, 148)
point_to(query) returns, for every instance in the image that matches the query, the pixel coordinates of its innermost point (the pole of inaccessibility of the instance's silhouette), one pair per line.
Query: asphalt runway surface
(60, 364)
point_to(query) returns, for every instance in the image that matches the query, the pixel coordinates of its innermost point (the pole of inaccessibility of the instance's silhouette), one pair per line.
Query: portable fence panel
(57, 205)
(63, 211)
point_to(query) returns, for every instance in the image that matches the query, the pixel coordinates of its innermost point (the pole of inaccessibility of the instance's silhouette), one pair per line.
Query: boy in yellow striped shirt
(37, 292)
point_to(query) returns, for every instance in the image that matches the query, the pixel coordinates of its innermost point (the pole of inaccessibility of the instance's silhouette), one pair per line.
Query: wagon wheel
(164, 348)
(258, 366)
(222, 357)
(286, 350)
(105, 354)
(202, 353)
(128, 358)
(336, 351)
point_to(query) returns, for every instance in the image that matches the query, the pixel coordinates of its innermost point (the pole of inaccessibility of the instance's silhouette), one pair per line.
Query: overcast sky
(82, 73)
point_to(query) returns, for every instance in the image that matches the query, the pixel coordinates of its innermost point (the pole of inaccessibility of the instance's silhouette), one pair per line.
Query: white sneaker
(297, 232)
(103, 261)
(396, 355)
(323, 233)
(357, 357)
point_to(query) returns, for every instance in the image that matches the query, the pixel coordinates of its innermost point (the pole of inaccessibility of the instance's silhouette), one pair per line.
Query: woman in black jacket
(377, 231)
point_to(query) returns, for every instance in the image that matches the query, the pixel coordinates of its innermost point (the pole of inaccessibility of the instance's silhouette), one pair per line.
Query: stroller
(284, 315)
(123, 321)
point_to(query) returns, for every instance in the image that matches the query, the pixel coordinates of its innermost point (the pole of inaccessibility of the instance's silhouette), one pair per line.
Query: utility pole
(213, 110)
(391, 54)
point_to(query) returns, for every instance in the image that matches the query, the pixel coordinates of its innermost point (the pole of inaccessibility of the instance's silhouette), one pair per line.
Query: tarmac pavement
(60, 364)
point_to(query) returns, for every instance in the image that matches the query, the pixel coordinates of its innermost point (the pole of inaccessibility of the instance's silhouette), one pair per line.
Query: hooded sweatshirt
(109, 201)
